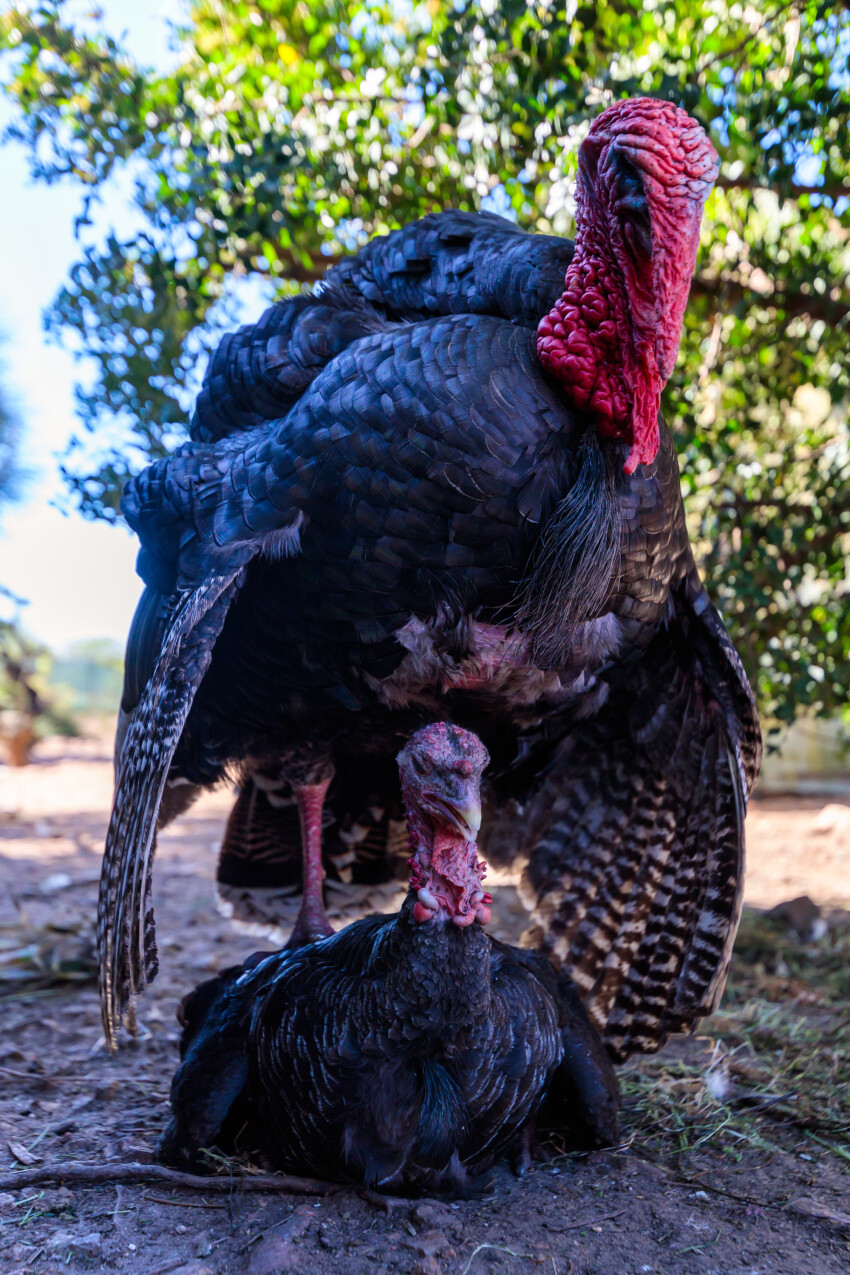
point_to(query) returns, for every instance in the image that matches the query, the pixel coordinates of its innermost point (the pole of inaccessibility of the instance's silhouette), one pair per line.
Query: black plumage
(404, 1050)
(426, 528)
(386, 1054)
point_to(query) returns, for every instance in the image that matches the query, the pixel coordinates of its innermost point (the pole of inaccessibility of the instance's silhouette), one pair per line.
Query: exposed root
(109, 1174)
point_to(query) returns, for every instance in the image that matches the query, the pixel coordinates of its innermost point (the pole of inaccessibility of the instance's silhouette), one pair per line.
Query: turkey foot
(312, 922)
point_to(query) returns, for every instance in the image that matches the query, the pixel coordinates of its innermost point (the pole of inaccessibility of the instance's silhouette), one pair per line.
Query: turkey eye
(632, 205)
(630, 193)
(418, 765)
(628, 178)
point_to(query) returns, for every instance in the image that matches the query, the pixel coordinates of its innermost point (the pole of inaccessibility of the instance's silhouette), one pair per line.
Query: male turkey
(405, 1049)
(412, 497)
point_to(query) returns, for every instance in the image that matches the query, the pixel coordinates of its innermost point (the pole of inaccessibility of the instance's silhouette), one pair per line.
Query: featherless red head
(440, 771)
(645, 171)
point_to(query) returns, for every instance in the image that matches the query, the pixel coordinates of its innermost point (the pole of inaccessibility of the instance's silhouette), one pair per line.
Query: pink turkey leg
(312, 921)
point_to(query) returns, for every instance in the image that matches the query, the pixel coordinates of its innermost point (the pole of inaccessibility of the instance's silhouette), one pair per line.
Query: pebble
(88, 1245)
(276, 1252)
(432, 1215)
(427, 1266)
(429, 1243)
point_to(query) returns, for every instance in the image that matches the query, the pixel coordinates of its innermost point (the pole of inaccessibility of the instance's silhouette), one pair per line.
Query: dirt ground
(735, 1153)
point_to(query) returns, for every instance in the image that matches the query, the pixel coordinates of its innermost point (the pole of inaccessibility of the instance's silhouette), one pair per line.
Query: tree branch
(833, 191)
(723, 289)
(105, 1174)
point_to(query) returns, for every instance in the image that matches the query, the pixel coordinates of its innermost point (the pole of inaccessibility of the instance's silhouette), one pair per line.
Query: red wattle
(585, 340)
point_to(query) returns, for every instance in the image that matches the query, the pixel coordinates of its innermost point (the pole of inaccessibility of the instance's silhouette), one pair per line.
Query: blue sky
(79, 576)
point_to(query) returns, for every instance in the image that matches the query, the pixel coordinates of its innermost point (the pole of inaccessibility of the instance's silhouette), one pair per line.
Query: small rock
(137, 1151)
(824, 1212)
(803, 915)
(834, 818)
(19, 1252)
(428, 1243)
(202, 1244)
(59, 1200)
(22, 1155)
(330, 1236)
(59, 881)
(276, 1252)
(427, 1266)
(88, 1245)
(432, 1215)
(271, 1256)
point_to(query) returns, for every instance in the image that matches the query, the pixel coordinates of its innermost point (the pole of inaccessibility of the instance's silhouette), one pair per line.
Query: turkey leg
(312, 923)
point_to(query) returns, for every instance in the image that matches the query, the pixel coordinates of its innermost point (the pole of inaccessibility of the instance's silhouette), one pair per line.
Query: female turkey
(407, 1049)
(443, 488)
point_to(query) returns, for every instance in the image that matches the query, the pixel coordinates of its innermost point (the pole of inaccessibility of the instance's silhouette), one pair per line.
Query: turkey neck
(441, 975)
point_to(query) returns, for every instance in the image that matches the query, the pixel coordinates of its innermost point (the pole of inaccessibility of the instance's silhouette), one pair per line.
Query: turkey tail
(364, 838)
(127, 957)
(636, 871)
(262, 840)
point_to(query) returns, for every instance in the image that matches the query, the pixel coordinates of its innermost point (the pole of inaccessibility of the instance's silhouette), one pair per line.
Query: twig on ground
(499, 1248)
(731, 1195)
(186, 1204)
(40, 1076)
(385, 1202)
(830, 1146)
(697, 1248)
(173, 1265)
(100, 1174)
(592, 1221)
(56, 1126)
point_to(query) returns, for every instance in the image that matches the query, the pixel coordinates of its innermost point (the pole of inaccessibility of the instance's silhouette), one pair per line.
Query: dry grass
(34, 961)
(773, 1070)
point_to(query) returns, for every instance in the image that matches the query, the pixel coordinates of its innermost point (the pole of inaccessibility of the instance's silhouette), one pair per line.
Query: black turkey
(442, 488)
(408, 1049)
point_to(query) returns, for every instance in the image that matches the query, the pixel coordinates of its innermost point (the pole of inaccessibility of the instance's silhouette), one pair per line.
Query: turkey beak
(462, 812)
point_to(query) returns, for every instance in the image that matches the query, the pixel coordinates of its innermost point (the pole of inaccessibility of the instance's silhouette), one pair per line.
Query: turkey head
(645, 171)
(440, 771)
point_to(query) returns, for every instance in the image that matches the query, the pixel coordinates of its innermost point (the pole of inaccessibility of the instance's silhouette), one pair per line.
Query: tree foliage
(292, 131)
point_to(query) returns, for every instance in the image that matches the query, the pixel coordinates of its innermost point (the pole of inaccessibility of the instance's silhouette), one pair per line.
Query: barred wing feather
(125, 922)
(636, 871)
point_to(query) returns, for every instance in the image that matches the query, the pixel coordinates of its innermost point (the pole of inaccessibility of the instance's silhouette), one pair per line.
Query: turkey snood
(645, 171)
